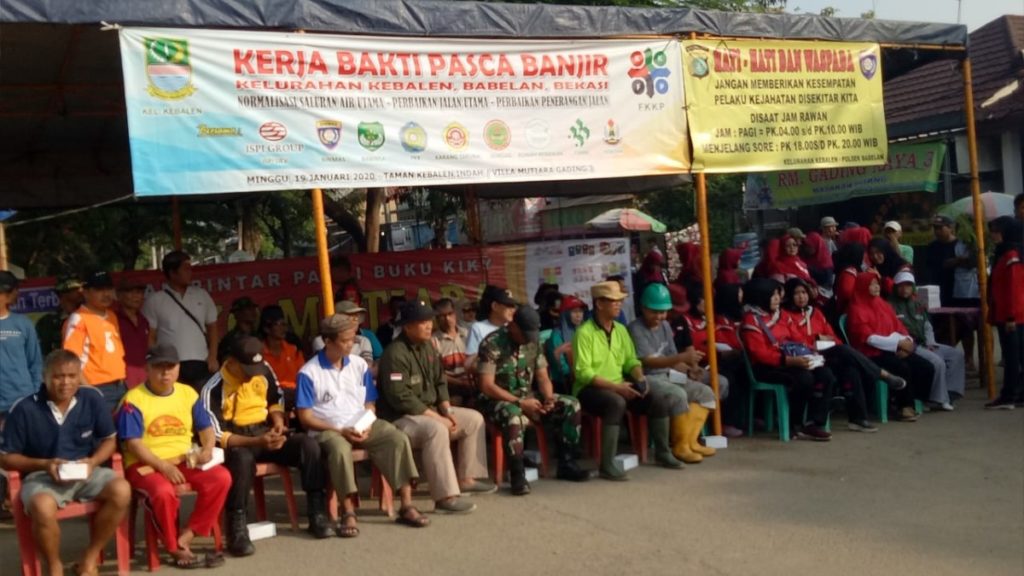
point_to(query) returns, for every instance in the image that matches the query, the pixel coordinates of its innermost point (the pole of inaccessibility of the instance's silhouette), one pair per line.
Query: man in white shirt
(185, 317)
(334, 391)
(497, 308)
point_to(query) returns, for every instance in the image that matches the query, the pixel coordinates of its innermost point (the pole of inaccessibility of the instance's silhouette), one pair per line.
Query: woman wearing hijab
(765, 330)
(697, 326)
(1007, 309)
(858, 235)
(949, 362)
(788, 263)
(851, 367)
(849, 262)
(769, 254)
(728, 266)
(691, 260)
(558, 348)
(818, 258)
(884, 258)
(875, 331)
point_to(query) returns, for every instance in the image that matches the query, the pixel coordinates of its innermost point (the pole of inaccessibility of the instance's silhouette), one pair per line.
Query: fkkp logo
(649, 73)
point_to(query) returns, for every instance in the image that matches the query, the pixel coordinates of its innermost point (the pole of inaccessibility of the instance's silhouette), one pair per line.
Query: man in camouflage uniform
(509, 358)
(50, 328)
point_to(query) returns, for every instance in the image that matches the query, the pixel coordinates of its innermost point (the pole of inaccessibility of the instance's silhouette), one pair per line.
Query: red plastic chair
(378, 486)
(152, 540)
(264, 469)
(498, 446)
(638, 434)
(30, 565)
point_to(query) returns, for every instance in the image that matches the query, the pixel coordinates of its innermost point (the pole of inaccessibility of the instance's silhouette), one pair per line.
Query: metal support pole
(979, 232)
(323, 258)
(709, 308)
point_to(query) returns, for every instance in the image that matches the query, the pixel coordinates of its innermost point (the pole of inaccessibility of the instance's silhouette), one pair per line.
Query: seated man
(509, 358)
(245, 405)
(334, 388)
(415, 399)
(155, 423)
(64, 422)
(604, 353)
(690, 401)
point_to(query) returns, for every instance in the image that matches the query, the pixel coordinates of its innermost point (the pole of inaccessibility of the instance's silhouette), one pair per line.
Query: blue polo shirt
(32, 429)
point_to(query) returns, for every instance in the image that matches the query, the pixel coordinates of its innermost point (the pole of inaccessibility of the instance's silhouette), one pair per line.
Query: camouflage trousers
(563, 419)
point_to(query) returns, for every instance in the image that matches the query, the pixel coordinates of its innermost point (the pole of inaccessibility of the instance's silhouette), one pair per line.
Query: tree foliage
(677, 207)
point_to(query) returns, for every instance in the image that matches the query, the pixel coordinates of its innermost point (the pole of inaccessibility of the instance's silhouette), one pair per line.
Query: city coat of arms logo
(371, 135)
(329, 133)
(168, 68)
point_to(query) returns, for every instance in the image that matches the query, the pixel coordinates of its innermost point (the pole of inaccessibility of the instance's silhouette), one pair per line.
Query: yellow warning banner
(758, 105)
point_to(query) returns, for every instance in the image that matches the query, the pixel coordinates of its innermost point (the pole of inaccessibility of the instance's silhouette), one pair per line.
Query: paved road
(942, 496)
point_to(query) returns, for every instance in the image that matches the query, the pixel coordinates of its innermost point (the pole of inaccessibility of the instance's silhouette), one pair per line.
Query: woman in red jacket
(788, 263)
(875, 331)
(728, 266)
(1007, 309)
(765, 329)
(851, 368)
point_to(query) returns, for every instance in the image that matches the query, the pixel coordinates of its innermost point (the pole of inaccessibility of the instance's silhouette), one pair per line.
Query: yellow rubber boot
(698, 415)
(681, 441)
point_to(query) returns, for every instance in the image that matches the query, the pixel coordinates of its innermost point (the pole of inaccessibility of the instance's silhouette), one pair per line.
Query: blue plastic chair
(776, 400)
(881, 388)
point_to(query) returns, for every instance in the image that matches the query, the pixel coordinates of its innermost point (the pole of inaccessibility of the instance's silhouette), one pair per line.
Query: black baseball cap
(243, 303)
(162, 354)
(99, 279)
(415, 311)
(248, 352)
(8, 281)
(67, 283)
(500, 295)
(528, 321)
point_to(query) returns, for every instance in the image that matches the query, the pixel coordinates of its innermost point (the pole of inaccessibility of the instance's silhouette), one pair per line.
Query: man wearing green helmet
(690, 400)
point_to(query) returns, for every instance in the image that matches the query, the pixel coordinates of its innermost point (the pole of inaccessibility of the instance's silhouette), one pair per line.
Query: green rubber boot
(662, 450)
(609, 446)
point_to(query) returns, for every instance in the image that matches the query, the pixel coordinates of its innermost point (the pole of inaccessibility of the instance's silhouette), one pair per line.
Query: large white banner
(221, 111)
(576, 265)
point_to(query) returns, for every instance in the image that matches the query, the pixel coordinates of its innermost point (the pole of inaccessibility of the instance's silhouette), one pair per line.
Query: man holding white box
(335, 398)
(48, 434)
(246, 407)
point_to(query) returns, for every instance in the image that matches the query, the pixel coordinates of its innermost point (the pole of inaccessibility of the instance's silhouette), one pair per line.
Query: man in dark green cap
(50, 327)
(508, 360)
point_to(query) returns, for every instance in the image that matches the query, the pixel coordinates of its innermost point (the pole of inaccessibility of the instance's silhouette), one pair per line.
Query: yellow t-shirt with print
(163, 423)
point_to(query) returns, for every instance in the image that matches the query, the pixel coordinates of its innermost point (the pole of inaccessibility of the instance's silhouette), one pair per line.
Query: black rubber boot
(319, 523)
(568, 469)
(238, 534)
(517, 476)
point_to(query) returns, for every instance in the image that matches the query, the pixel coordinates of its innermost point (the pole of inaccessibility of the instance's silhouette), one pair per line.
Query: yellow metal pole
(322, 256)
(979, 232)
(709, 308)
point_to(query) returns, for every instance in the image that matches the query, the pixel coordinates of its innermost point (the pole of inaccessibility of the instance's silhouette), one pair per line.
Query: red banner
(294, 284)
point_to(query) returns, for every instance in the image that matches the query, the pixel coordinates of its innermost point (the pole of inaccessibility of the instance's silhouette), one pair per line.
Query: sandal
(344, 531)
(213, 559)
(190, 562)
(417, 521)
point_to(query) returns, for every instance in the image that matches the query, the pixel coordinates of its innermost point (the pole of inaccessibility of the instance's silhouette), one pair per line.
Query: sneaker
(908, 414)
(895, 382)
(454, 506)
(479, 487)
(862, 426)
(999, 404)
(731, 431)
(940, 407)
(814, 433)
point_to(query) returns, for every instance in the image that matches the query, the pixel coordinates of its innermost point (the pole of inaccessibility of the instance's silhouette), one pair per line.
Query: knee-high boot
(609, 446)
(681, 440)
(698, 415)
(662, 452)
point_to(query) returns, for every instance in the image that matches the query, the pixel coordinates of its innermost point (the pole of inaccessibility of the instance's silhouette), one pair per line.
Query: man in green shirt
(50, 328)
(414, 397)
(604, 356)
(509, 358)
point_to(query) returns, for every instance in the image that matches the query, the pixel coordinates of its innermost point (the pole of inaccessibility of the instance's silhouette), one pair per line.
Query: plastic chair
(378, 486)
(498, 446)
(152, 540)
(264, 469)
(777, 400)
(638, 434)
(30, 565)
(881, 388)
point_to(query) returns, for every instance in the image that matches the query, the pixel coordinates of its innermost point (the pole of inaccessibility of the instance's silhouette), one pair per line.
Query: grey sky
(974, 13)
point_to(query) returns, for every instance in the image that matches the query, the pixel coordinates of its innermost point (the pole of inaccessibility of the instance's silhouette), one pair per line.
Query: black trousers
(194, 373)
(299, 451)
(917, 371)
(808, 389)
(853, 370)
(734, 407)
(1012, 343)
(610, 407)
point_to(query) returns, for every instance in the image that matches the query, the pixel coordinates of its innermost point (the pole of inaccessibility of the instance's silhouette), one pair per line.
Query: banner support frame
(322, 252)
